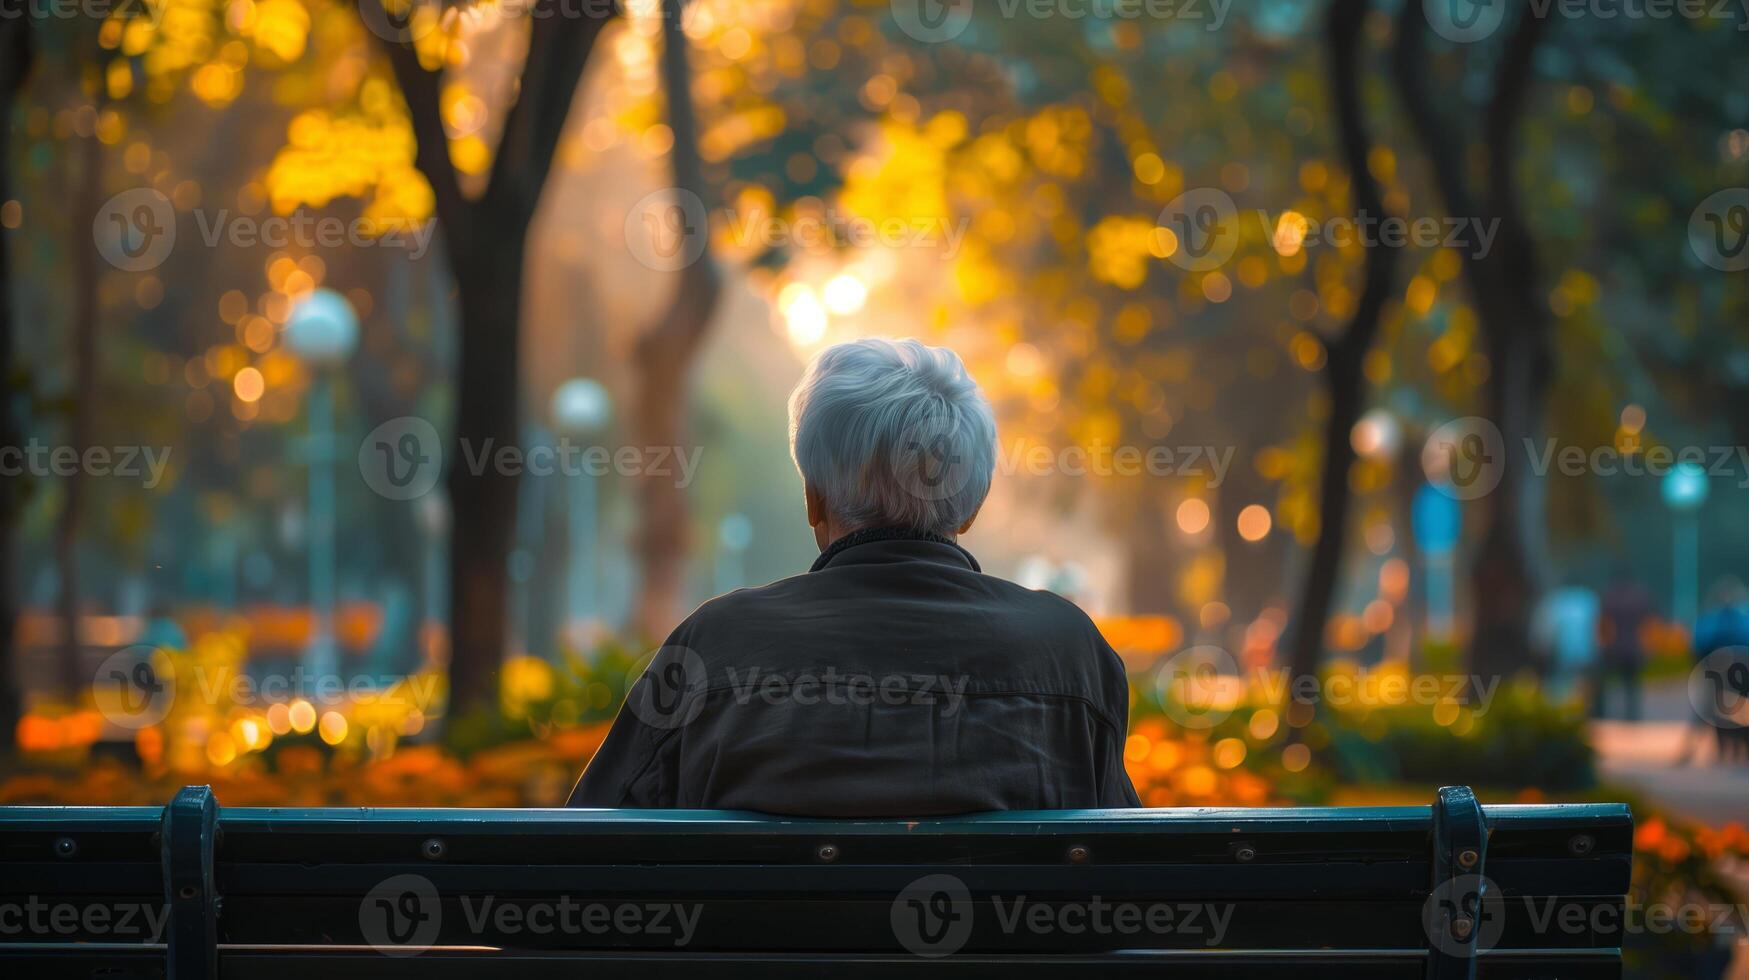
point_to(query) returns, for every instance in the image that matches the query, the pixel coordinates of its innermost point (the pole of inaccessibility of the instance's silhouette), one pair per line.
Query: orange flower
(1649, 835)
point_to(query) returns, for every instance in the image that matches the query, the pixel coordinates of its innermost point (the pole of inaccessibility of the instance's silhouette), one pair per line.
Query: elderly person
(894, 678)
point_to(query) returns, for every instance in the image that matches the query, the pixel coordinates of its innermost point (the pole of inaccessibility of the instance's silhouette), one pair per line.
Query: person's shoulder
(1060, 634)
(1043, 609)
(738, 605)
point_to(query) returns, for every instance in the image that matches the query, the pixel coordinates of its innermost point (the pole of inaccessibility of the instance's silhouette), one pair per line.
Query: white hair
(893, 433)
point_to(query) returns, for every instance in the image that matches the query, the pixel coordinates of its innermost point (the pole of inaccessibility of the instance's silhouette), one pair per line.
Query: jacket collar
(913, 544)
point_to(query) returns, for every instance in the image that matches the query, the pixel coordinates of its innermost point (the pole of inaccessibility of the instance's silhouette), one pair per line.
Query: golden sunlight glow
(249, 385)
(845, 294)
(1193, 516)
(807, 319)
(1290, 233)
(221, 749)
(302, 716)
(1254, 522)
(333, 727)
(1024, 360)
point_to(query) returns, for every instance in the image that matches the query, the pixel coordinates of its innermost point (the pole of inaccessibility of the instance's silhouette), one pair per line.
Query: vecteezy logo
(401, 459)
(1718, 688)
(1192, 686)
(932, 21)
(1205, 223)
(135, 686)
(135, 230)
(399, 21)
(401, 916)
(1465, 457)
(666, 689)
(926, 462)
(668, 230)
(1465, 909)
(1718, 230)
(1463, 21)
(932, 916)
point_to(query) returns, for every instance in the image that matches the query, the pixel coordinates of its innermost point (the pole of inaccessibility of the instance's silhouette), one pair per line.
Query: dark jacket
(894, 679)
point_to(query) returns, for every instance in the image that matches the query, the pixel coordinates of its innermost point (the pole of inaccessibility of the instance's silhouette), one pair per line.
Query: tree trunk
(483, 496)
(83, 400)
(1520, 346)
(16, 56)
(1318, 589)
(485, 240)
(1502, 584)
(1514, 321)
(664, 358)
(1344, 378)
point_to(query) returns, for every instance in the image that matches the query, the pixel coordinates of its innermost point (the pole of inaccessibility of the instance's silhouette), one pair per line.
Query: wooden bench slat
(281, 891)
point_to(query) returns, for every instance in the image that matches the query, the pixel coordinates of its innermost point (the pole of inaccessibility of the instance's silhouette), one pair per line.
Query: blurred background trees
(624, 228)
(1033, 178)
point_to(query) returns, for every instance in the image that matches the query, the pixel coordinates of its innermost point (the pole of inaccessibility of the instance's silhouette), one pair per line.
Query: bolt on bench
(193, 892)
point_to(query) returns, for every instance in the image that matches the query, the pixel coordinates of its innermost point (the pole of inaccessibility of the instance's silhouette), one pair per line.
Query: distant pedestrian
(162, 630)
(1725, 624)
(1564, 633)
(1626, 609)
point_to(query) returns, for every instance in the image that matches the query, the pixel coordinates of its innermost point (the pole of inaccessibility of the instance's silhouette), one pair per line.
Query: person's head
(1727, 591)
(891, 434)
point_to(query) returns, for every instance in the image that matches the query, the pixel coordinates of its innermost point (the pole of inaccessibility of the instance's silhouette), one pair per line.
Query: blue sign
(1438, 520)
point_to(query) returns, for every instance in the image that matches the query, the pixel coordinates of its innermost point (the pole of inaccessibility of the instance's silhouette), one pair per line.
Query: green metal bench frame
(1437, 892)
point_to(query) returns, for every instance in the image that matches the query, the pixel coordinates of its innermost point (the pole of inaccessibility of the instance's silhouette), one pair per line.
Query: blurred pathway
(1647, 755)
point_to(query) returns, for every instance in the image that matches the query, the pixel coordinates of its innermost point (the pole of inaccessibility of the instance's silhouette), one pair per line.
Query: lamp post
(322, 329)
(582, 408)
(1437, 520)
(433, 517)
(1684, 491)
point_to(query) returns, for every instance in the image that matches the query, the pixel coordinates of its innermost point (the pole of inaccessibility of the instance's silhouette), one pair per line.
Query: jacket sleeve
(1115, 788)
(626, 771)
(637, 764)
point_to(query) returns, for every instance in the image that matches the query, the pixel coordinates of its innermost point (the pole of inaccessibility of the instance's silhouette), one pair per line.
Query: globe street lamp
(1684, 491)
(1377, 435)
(322, 329)
(582, 408)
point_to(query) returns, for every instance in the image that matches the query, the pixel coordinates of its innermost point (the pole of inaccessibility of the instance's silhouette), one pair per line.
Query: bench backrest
(1448, 890)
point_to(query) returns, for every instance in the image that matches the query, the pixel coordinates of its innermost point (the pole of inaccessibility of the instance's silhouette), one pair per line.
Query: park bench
(1443, 891)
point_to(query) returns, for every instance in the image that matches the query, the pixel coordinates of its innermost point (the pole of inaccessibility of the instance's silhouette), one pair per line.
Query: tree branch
(1505, 108)
(422, 91)
(1355, 142)
(1344, 374)
(675, 336)
(560, 38)
(16, 51)
(1444, 152)
(682, 120)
